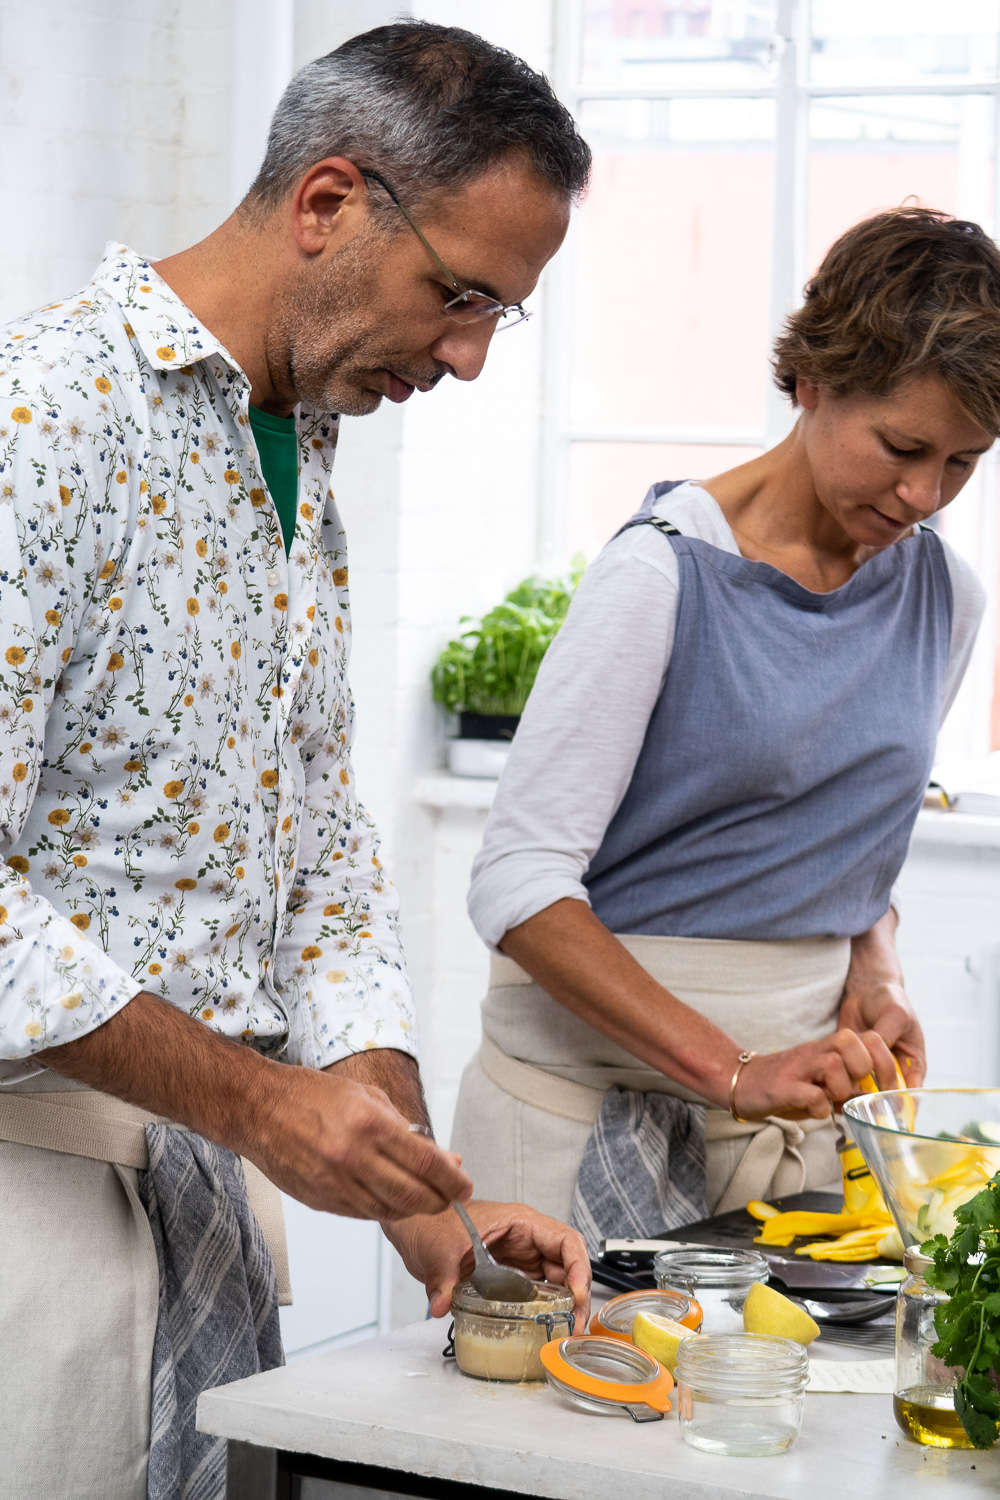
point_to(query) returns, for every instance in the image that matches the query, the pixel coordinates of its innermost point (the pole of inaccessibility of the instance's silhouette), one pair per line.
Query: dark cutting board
(738, 1229)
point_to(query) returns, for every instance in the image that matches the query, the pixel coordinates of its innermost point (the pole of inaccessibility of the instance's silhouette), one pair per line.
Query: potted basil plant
(485, 675)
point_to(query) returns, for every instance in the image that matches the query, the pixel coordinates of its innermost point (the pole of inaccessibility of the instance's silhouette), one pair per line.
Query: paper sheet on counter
(870, 1377)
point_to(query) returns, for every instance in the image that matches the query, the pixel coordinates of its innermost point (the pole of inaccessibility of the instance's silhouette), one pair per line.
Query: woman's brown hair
(908, 292)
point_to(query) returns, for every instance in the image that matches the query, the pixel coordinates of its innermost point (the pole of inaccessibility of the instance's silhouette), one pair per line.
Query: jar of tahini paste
(501, 1340)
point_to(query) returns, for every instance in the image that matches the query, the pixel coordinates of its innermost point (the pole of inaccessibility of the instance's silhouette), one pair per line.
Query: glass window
(733, 141)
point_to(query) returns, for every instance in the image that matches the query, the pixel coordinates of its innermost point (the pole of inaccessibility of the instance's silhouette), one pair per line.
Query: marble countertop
(394, 1402)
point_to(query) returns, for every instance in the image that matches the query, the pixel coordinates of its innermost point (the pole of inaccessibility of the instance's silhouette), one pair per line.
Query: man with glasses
(193, 897)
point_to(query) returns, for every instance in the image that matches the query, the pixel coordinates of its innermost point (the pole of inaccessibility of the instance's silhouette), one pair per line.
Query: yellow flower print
(334, 910)
(207, 1015)
(194, 828)
(107, 570)
(281, 601)
(173, 790)
(27, 704)
(14, 655)
(21, 414)
(115, 603)
(344, 776)
(81, 920)
(269, 778)
(221, 833)
(232, 476)
(364, 934)
(19, 863)
(156, 968)
(59, 817)
(313, 657)
(230, 742)
(121, 476)
(188, 699)
(79, 860)
(193, 606)
(65, 494)
(165, 351)
(143, 486)
(237, 650)
(86, 747)
(306, 510)
(52, 616)
(336, 976)
(159, 504)
(196, 458)
(232, 931)
(103, 384)
(115, 661)
(286, 824)
(240, 872)
(308, 954)
(129, 330)
(317, 443)
(72, 1000)
(371, 1046)
(340, 577)
(201, 547)
(20, 771)
(257, 498)
(133, 765)
(311, 612)
(186, 884)
(33, 1029)
(3, 915)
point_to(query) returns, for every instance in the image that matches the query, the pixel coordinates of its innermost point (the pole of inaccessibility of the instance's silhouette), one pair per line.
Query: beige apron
(79, 1289)
(529, 1099)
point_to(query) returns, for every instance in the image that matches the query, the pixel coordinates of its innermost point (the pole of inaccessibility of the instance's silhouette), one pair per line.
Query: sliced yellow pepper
(758, 1210)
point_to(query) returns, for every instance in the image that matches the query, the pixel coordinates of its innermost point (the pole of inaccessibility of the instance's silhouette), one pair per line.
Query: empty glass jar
(742, 1394)
(718, 1279)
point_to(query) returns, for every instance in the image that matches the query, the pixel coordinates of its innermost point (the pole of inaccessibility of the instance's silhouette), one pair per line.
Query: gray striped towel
(218, 1312)
(643, 1168)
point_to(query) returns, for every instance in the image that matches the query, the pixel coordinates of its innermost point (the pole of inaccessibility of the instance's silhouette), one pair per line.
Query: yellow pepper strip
(860, 1244)
(784, 1228)
(970, 1170)
(758, 1210)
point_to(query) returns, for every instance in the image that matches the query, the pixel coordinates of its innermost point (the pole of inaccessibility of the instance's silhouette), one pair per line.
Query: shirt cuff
(338, 1013)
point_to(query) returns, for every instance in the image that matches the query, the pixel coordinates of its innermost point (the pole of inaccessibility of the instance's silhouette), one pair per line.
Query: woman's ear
(806, 392)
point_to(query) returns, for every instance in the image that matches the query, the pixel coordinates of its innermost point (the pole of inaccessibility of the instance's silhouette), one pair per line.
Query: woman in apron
(686, 876)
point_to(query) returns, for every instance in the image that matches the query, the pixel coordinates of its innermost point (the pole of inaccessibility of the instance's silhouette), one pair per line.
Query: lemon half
(660, 1337)
(767, 1311)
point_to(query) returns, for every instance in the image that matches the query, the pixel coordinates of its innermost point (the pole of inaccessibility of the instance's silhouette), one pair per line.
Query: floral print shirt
(178, 811)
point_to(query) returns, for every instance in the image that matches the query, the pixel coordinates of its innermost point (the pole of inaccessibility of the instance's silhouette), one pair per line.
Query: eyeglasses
(468, 306)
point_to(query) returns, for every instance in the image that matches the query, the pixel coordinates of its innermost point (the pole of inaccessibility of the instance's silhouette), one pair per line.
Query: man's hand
(437, 1251)
(333, 1143)
(874, 1000)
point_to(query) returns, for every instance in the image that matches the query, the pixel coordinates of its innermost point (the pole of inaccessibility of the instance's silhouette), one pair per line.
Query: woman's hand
(806, 1082)
(874, 1000)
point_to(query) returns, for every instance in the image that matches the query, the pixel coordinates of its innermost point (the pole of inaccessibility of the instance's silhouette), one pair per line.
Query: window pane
(608, 482)
(903, 41)
(672, 266)
(677, 43)
(870, 154)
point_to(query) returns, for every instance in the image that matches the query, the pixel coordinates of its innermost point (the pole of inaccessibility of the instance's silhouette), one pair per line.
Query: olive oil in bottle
(927, 1413)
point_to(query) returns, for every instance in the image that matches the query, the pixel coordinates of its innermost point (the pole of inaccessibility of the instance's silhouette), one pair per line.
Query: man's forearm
(395, 1073)
(155, 1056)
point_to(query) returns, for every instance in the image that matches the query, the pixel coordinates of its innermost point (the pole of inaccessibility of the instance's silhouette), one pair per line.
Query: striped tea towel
(643, 1168)
(218, 1312)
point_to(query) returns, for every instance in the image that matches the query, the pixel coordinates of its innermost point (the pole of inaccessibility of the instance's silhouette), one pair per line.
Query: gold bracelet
(744, 1058)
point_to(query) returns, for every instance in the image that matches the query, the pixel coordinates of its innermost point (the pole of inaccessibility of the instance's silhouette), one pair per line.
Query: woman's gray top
(713, 750)
(788, 753)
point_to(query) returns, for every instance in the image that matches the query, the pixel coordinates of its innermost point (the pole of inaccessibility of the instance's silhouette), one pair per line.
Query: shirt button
(273, 576)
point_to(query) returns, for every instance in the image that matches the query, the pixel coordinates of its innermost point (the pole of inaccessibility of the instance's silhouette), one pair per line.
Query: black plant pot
(487, 726)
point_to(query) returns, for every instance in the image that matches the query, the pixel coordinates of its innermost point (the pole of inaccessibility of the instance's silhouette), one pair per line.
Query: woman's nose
(921, 492)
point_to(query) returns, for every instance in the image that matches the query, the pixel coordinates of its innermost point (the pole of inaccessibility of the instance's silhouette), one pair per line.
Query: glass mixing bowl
(929, 1150)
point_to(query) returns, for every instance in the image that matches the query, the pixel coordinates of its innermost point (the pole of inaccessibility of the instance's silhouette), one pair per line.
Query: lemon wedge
(660, 1337)
(767, 1311)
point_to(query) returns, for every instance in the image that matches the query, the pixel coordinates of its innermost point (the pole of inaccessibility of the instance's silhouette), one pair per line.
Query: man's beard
(329, 333)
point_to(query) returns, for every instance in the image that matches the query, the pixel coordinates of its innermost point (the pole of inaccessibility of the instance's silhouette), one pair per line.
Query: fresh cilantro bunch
(967, 1267)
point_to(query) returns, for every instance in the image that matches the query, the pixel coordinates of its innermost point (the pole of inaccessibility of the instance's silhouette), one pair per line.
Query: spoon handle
(480, 1251)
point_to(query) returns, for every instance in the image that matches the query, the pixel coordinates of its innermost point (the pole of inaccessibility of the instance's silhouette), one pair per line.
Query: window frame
(793, 94)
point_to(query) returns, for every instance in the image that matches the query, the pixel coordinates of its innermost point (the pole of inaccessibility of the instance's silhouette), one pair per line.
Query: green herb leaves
(491, 668)
(967, 1266)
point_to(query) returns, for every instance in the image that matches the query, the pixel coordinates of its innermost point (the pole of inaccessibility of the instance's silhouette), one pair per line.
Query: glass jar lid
(691, 1269)
(915, 1261)
(549, 1298)
(616, 1317)
(605, 1372)
(742, 1364)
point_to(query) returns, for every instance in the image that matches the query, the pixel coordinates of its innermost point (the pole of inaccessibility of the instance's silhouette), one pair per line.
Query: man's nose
(463, 347)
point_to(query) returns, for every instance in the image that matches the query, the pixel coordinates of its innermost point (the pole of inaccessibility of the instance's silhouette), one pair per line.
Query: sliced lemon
(767, 1311)
(660, 1337)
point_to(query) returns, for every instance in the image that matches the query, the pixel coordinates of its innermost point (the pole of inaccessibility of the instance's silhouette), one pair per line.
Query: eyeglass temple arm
(424, 241)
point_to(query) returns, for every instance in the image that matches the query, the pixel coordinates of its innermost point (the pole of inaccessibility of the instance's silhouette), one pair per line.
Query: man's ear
(329, 204)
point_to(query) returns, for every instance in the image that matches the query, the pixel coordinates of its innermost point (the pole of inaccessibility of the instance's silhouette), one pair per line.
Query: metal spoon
(864, 1310)
(495, 1282)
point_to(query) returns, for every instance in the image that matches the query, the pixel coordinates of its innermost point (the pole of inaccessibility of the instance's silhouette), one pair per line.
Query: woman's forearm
(581, 964)
(874, 959)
